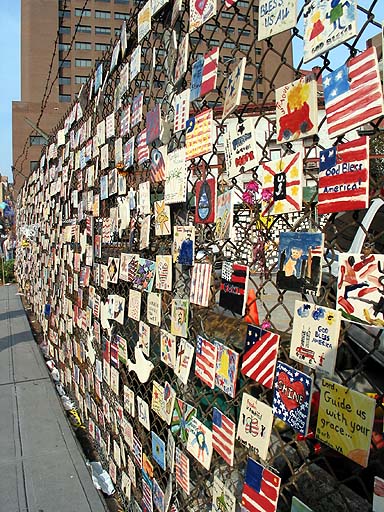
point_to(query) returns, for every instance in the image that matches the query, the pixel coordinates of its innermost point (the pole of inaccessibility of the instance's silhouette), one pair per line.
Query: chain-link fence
(72, 228)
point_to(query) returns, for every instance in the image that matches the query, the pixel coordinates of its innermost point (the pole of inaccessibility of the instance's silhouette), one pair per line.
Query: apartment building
(98, 24)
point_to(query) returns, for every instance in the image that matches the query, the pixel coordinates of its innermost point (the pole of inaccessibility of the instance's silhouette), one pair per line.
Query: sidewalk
(41, 466)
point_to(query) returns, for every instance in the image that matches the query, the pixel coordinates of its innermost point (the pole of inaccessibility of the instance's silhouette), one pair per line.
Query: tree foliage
(376, 147)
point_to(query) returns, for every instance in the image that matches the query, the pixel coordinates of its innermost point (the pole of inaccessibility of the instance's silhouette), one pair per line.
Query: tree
(376, 149)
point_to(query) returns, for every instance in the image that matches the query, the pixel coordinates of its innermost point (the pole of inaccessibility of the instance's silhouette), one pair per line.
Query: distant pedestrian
(8, 248)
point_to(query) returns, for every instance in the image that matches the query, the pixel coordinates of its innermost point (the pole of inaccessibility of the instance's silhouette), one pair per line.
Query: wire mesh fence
(75, 230)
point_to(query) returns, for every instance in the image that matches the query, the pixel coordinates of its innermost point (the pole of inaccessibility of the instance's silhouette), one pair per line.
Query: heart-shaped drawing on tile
(200, 6)
(163, 270)
(292, 393)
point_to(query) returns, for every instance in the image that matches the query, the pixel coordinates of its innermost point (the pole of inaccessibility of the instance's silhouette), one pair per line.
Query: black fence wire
(70, 228)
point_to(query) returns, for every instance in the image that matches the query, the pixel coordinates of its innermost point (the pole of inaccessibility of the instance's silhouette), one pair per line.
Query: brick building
(42, 21)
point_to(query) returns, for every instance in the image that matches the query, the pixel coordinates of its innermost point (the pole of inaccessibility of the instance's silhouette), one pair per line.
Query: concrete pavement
(41, 466)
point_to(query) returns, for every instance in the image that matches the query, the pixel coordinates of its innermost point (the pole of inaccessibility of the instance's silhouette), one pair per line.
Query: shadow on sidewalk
(11, 314)
(9, 341)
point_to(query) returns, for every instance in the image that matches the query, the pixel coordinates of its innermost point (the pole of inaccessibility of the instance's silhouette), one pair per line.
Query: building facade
(48, 27)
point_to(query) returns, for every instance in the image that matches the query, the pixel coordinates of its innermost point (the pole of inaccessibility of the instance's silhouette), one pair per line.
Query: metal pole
(2, 267)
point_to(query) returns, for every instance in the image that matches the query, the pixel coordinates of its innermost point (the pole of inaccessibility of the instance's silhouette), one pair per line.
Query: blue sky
(10, 69)
(9, 77)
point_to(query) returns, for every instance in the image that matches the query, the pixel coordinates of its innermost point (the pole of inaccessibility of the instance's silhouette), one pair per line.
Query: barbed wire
(49, 86)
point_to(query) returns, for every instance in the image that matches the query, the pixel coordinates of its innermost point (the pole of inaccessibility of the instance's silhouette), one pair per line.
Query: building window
(63, 47)
(64, 30)
(84, 28)
(102, 30)
(256, 8)
(36, 140)
(210, 28)
(85, 13)
(258, 51)
(245, 33)
(64, 63)
(260, 95)
(245, 47)
(227, 15)
(248, 76)
(230, 30)
(83, 63)
(64, 98)
(64, 14)
(121, 16)
(213, 42)
(229, 44)
(64, 80)
(101, 47)
(105, 1)
(105, 15)
(117, 32)
(81, 79)
(241, 17)
(33, 165)
(241, 3)
(125, 2)
(83, 46)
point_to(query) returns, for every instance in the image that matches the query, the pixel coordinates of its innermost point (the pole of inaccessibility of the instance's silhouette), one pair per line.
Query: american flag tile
(260, 354)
